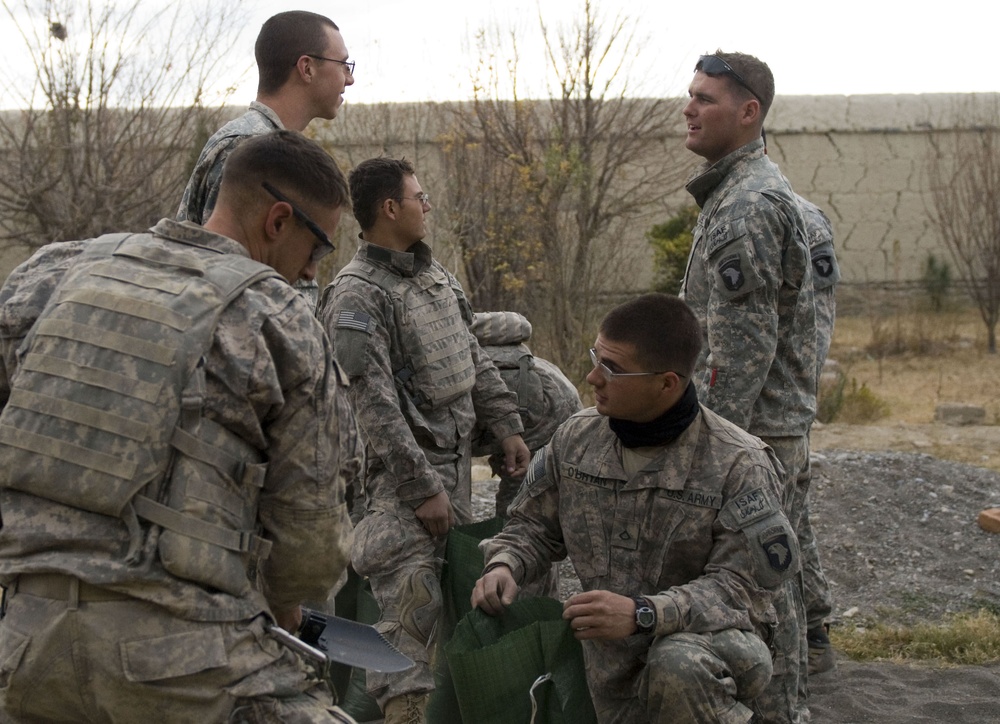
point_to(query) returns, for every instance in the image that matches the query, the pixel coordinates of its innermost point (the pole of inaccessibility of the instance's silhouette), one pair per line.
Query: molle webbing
(438, 366)
(114, 362)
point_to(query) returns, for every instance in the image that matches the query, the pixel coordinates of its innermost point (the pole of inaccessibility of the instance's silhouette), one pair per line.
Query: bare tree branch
(964, 172)
(103, 133)
(540, 190)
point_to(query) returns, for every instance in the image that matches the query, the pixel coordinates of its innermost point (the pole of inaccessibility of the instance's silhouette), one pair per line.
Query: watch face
(645, 617)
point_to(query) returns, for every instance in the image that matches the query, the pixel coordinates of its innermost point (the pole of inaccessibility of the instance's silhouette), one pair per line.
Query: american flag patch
(349, 319)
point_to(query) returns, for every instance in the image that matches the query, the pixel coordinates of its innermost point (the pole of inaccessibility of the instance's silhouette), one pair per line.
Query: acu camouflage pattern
(109, 394)
(545, 396)
(699, 531)
(270, 383)
(748, 282)
(202, 188)
(413, 449)
(367, 327)
(142, 664)
(826, 275)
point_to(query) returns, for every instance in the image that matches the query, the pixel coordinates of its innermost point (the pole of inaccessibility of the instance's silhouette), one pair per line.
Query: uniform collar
(268, 113)
(707, 177)
(187, 232)
(407, 263)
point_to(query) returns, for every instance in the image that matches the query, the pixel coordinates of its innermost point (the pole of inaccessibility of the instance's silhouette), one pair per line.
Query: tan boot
(406, 709)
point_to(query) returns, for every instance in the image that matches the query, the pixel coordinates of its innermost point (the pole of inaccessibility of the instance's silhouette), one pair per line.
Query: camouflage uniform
(545, 396)
(202, 188)
(826, 275)
(417, 437)
(748, 281)
(158, 646)
(816, 593)
(698, 531)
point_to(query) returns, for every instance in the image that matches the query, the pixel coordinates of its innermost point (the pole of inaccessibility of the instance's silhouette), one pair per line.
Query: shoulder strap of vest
(371, 273)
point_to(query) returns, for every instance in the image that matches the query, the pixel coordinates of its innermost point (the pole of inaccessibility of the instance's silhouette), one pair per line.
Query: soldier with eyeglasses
(672, 519)
(303, 70)
(399, 322)
(170, 414)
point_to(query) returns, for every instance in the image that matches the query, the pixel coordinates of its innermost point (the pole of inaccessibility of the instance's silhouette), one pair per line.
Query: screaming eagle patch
(731, 272)
(777, 549)
(823, 264)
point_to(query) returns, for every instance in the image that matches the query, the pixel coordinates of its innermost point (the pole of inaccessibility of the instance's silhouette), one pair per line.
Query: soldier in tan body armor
(168, 459)
(419, 380)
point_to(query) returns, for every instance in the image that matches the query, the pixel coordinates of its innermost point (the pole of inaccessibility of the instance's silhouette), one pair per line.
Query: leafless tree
(541, 189)
(964, 173)
(108, 117)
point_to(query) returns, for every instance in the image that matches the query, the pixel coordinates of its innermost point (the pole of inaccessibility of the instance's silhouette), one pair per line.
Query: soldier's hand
(288, 618)
(516, 456)
(600, 615)
(494, 591)
(436, 514)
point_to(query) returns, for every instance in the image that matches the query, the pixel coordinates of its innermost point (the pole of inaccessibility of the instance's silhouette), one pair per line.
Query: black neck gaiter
(664, 429)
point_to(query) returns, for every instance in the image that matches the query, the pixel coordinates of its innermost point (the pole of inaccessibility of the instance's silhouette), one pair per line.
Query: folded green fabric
(495, 663)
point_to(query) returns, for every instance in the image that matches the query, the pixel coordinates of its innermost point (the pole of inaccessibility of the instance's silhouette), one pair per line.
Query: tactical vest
(545, 398)
(437, 362)
(105, 407)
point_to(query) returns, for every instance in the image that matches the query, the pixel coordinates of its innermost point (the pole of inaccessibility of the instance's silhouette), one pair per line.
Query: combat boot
(406, 709)
(821, 656)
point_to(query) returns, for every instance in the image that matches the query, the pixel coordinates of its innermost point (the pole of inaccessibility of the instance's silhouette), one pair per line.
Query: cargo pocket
(173, 656)
(12, 647)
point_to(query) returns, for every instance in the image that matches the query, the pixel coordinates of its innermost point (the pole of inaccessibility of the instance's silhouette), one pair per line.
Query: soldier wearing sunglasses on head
(750, 285)
(169, 438)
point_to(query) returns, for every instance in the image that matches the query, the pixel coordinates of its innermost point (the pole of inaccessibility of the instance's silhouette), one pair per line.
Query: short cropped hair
(292, 163)
(757, 75)
(662, 329)
(372, 182)
(283, 39)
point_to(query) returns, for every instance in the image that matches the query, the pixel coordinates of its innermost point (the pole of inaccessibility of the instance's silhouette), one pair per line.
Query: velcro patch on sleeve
(777, 547)
(351, 319)
(748, 507)
(722, 234)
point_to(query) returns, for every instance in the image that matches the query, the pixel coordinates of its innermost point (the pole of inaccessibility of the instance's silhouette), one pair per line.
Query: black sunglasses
(326, 246)
(714, 65)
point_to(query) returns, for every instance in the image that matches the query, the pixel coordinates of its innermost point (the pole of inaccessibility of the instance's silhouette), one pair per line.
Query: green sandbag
(494, 662)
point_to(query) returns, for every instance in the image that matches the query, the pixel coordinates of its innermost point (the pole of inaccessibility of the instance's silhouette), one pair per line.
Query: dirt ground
(896, 525)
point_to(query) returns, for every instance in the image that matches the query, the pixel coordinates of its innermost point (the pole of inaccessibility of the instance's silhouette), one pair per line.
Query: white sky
(411, 50)
(415, 50)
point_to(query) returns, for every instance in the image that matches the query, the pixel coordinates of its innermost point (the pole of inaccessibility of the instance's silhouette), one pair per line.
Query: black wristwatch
(645, 616)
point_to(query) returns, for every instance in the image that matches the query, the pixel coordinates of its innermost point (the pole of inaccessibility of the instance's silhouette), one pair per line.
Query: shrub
(856, 406)
(936, 281)
(671, 242)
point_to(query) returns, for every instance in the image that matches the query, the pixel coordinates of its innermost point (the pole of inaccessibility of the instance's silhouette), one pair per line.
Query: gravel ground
(897, 533)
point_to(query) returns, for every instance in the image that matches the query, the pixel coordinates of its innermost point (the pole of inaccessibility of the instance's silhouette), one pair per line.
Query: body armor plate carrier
(105, 408)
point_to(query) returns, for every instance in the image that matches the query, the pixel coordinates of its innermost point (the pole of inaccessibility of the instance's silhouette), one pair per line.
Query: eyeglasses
(326, 246)
(349, 64)
(610, 375)
(714, 65)
(422, 198)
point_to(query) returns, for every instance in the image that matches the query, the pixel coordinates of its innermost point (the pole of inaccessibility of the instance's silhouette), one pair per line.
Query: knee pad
(421, 605)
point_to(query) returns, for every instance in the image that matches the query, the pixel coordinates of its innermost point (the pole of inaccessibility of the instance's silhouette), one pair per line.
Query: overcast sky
(412, 50)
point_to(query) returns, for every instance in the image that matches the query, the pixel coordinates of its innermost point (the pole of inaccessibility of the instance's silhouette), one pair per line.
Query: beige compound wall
(861, 158)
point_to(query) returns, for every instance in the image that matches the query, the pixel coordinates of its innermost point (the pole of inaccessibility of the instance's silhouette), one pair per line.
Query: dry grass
(965, 639)
(914, 362)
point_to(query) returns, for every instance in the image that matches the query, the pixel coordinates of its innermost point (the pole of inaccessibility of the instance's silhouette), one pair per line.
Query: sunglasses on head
(714, 65)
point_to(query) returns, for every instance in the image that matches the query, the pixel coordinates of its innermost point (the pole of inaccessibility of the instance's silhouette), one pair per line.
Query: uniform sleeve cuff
(667, 616)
